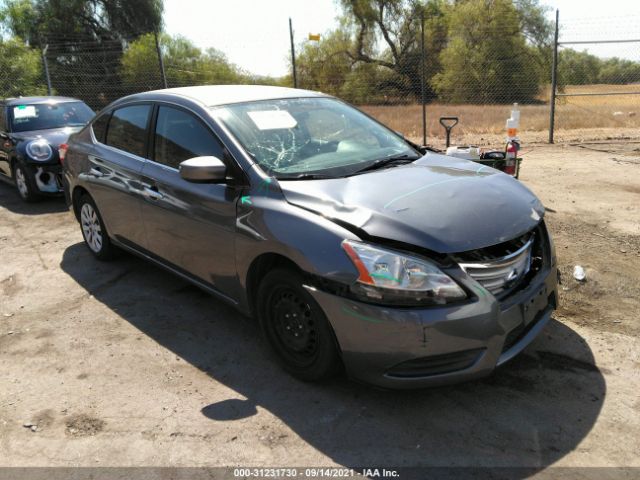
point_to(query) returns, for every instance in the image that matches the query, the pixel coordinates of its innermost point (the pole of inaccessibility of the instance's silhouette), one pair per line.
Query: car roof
(36, 100)
(214, 95)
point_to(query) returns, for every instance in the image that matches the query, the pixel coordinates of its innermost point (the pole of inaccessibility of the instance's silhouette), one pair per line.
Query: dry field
(577, 118)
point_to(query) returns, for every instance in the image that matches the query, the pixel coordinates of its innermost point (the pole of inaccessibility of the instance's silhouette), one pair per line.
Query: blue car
(31, 129)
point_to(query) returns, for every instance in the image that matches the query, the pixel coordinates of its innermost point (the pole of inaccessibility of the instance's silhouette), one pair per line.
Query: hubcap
(21, 183)
(294, 324)
(91, 227)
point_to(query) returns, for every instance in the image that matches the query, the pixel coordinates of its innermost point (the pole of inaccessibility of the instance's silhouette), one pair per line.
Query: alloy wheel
(91, 227)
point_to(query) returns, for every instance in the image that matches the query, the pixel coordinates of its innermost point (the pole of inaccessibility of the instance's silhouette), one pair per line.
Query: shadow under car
(530, 413)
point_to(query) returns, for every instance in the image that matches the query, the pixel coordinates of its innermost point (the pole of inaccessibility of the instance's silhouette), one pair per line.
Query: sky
(254, 34)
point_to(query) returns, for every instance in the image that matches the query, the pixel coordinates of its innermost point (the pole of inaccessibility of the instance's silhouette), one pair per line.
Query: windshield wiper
(306, 176)
(388, 161)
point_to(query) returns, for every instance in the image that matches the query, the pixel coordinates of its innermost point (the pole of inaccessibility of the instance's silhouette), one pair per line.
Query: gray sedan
(354, 248)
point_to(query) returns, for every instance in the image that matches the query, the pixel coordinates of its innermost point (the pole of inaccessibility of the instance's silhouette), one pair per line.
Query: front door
(189, 225)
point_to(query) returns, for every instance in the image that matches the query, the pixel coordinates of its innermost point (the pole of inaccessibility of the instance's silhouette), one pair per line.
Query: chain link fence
(598, 76)
(437, 76)
(597, 94)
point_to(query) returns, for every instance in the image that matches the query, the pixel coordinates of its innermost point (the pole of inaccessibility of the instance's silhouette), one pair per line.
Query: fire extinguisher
(510, 157)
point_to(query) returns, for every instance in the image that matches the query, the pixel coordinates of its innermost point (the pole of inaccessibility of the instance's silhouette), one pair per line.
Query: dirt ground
(122, 364)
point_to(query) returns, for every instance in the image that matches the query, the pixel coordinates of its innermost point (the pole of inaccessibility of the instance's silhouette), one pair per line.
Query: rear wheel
(296, 327)
(93, 229)
(24, 183)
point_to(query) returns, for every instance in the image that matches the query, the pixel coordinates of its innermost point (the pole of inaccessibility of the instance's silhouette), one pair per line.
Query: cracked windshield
(307, 137)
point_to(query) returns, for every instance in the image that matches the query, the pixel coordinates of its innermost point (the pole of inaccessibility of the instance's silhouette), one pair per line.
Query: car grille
(499, 274)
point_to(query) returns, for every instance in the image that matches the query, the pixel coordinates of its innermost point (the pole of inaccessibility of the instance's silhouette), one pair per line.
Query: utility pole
(422, 81)
(161, 61)
(554, 82)
(46, 69)
(293, 55)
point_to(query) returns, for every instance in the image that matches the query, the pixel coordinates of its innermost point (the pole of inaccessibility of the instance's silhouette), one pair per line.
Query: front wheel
(25, 184)
(93, 229)
(296, 327)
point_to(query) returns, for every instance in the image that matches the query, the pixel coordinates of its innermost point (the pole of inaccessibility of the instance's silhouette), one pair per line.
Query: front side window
(127, 129)
(180, 136)
(44, 116)
(297, 136)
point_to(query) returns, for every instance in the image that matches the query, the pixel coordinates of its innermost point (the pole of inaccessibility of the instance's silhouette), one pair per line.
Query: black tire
(25, 183)
(296, 327)
(95, 234)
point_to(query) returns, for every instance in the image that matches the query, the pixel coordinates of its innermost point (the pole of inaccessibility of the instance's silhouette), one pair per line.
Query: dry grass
(578, 118)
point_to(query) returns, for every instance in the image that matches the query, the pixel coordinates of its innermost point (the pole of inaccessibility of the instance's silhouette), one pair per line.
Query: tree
(583, 68)
(538, 32)
(386, 33)
(185, 64)
(325, 65)
(577, 68)
(85, 39)
(140, 66)
(328, 65)
(534, 25)
(487, 59)
(368, 83)
(20, 70)
(88, 20)
(618, 71)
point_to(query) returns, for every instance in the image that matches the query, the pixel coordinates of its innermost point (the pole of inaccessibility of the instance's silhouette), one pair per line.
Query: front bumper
(47, 178)
(408, 347)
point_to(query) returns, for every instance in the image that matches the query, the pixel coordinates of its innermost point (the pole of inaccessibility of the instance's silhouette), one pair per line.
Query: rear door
(115, 166)
(190, 225)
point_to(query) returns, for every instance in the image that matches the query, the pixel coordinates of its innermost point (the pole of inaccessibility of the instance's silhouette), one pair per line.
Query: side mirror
(203, 170)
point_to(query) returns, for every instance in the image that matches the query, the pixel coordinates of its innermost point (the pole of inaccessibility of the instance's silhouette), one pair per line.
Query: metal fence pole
(293, 55)
(422, 81)
(554, 82)
(161, 61)
(45, 64)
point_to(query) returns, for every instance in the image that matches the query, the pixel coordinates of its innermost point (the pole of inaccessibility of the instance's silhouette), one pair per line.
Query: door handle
(96, 172)
(152, 193)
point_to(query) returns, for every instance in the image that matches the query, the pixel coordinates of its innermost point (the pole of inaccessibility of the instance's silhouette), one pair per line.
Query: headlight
(39, 150)
(391, 277)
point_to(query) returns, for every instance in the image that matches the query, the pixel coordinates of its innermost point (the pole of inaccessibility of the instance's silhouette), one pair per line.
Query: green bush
(20, 70)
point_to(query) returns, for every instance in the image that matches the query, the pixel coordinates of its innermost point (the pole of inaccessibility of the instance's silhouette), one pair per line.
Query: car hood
(55, 136)
(440, 203)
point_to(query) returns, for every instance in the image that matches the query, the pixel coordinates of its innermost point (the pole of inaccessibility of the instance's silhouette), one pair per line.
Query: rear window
(44, 116)
(128, 129)
(99, 126)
